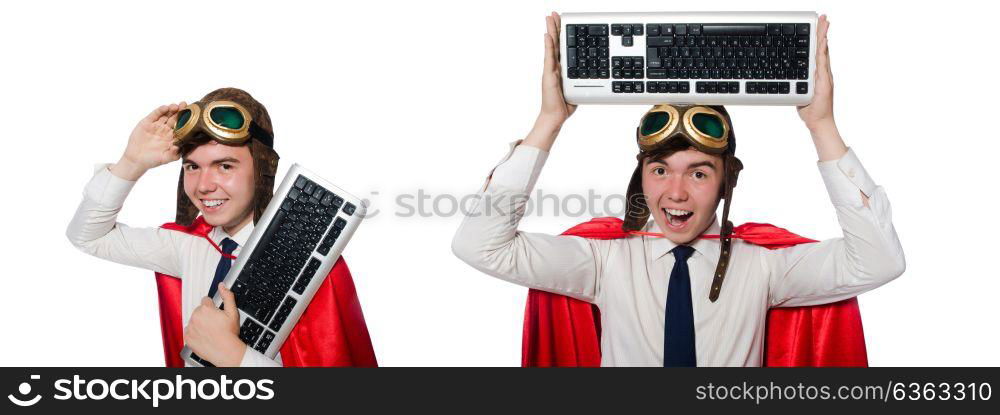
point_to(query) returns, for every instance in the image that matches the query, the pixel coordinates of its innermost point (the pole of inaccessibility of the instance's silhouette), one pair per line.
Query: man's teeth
(213, 203)
(676, 216)
(677, 212)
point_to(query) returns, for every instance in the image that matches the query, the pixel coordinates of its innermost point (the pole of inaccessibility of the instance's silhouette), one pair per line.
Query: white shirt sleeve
(489, 241)
(253, 358)
(867, 256)
(94, 229)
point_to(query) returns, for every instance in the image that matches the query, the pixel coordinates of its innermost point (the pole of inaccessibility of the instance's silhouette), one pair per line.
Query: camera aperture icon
(24, 389)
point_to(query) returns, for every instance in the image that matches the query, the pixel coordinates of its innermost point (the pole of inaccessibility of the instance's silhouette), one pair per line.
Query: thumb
(229, 302)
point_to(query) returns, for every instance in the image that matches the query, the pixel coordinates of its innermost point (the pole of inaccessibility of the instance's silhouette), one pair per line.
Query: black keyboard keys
(734, 29)
(250, 332)
(284, 248)
(282, 314)
(801, 88)
(659, 41)
(307, 276)
(265, 342)
(712, 52)
(328, 241)
(587, 51)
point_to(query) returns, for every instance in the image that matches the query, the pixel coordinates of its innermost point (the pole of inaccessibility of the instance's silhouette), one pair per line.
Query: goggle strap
(733, 166)
(261, 134)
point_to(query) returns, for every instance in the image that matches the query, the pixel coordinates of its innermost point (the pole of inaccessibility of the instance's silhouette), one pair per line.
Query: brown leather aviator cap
(259, 138)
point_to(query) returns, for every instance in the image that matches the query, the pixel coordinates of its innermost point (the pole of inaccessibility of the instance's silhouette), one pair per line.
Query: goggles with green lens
(704, 127)
(225, 121)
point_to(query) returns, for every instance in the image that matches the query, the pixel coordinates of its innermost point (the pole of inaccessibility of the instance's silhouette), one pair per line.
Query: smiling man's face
(219, 181)
(682, 192)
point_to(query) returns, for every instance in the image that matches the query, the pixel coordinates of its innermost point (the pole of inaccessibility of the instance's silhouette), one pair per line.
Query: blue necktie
(228, 246)
(678, 330)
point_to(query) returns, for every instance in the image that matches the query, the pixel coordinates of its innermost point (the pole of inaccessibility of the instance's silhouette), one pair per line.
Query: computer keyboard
(291, 250)
(742, 58)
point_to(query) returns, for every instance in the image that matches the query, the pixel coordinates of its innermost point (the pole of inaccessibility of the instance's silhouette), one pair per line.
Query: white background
(392, 97)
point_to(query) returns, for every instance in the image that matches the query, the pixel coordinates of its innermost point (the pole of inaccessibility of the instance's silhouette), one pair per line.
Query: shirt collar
(217, 235)
(662, 246)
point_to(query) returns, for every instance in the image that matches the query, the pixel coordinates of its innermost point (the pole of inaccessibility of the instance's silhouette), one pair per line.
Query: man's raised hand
(151, 143)
(819, 113)
(555, 110)
(554, 106)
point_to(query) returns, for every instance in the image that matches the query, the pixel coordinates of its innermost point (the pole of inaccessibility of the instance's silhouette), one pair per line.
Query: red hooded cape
(331, 332)
(564, 332)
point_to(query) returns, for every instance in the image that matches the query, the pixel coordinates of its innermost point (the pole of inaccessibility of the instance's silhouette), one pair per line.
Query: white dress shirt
(627, 278)
(193, 259)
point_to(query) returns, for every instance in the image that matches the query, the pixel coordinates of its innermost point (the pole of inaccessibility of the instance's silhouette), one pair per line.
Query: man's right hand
(151, 143)
(554, 110)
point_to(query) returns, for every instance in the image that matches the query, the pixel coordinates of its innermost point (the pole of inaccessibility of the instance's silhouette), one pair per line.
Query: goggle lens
(654, 122)
(709, 125)
(182, 119)
(228, 117)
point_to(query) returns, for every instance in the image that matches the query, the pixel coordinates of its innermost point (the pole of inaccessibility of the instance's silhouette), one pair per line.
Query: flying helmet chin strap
(733, 167)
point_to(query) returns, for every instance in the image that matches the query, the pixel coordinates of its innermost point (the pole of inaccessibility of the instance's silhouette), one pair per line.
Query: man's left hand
(214, 334)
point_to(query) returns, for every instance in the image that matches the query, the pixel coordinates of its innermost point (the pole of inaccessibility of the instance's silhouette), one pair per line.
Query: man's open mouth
(677, 218)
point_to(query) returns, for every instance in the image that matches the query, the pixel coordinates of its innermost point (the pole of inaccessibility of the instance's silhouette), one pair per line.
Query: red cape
(331, 332)
(564, 332)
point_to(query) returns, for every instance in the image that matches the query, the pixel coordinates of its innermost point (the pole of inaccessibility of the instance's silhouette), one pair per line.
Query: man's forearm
(868, 254)
(826, 138)
(94, 228)
(126, 169)
(543, 134)
(96, 215)
(829, 144)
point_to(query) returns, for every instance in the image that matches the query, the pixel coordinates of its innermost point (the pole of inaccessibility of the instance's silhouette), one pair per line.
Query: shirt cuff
(844, 178)
(107, 189)
(519, 169)
(253, 358)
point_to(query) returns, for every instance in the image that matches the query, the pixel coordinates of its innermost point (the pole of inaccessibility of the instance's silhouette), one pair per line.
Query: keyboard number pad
(587, 51)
